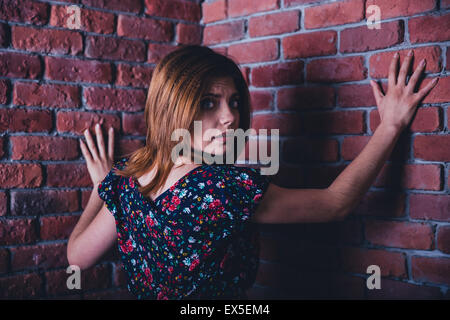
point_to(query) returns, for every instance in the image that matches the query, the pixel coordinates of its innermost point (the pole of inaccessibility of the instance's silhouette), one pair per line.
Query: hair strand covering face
(173, 102)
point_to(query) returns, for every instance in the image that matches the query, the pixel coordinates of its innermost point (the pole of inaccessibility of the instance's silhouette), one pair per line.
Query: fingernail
(422, 63)
(410, 53)
(435, 80)
(111, 129)
(97, 125)
(396, 55)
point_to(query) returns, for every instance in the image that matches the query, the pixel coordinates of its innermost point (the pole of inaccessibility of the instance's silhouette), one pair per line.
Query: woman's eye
(235, 104)
(207, 104)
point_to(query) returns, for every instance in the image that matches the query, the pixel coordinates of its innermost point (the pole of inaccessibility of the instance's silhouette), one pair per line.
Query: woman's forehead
(221, 83)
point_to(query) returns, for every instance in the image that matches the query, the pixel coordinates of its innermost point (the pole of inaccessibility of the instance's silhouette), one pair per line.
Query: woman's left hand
(99, 163)
(398, 106)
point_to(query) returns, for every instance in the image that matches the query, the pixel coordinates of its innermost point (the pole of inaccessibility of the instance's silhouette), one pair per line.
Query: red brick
(133, 124)
(214, 11)
(403, 8)
(425, 120)
(114, 99)
(176, 9)
(39, 256)
(429, 28)
(379, 63)
(24, 11)
(4, 89)
(77, 122)
(144, 28)
(115, 49)
(334, 122)
(278, 74)
(336, 70)
(400, 234)
(287, 124)
(362, 39)
(47, 40)
(393, 289)
(157, 51)
(189, 33)
(41, 202)
(381, 204)
(440, 93)
(243, 8)
(20, 175)
(311, 149)
(43, 148)
(410, 176)
(429, 206)
(90, 20)
(53, 228)
(223, 32)
(429, 269)
(25, 120)
(21, 286)
(443, 239)
(48, 95)
(4, 35)
(255, 51)
(261, 100)
(75, 70)
(17, 231)
(68, 175)
(305, 98)
(134, 76)
(116, 5)
(274, 23)
(310, 44)
(127, 146)
(332, 14)
(4, 260)
(3, 203)
(432, 148)
(18, 65)
(356, 260)
(355, 95)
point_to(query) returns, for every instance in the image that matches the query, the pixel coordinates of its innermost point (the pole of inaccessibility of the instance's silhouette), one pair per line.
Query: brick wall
(308, 64)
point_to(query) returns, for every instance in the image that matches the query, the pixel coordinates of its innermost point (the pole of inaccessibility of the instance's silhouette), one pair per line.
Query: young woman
(188, 230)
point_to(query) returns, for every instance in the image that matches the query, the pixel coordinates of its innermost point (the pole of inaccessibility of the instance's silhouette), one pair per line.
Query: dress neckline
(180, 180)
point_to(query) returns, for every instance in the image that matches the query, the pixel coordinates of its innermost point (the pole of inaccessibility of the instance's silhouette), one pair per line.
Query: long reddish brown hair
(173, 101)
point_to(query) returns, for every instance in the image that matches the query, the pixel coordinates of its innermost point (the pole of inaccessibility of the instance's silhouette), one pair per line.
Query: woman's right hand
(99, 162)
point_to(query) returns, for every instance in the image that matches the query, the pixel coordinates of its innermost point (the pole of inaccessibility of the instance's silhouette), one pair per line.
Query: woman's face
(219, 110)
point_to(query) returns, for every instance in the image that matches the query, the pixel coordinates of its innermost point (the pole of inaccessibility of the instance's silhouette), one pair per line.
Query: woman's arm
(396, 109)
(95, 231)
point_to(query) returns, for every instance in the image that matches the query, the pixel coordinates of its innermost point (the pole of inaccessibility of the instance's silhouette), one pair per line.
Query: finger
(111, 143)
(100, 142)
(376, 91)
(393, 71)
(415, 77)
(425, 90)
(85, 151)
(91, 145)
(404, 69)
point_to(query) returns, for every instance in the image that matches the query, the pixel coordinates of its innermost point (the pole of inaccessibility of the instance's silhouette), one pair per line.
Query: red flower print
(209, 182)
(194, 264)
(131, 182)
(129, 245)
(170, 269)
(162, 296)
(175, 200)
(257, 197)
(225, 258)
(149, 221)
(148, 275)
(177, 232)
(172, 207)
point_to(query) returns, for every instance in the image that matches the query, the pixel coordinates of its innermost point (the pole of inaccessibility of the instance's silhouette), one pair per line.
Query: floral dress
(195, 240)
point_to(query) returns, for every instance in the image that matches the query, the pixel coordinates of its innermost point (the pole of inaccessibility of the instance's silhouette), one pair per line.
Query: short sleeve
(248, 187)
(109, 189)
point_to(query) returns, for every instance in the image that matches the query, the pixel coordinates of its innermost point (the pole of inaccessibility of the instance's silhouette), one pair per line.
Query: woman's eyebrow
(218, 95)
